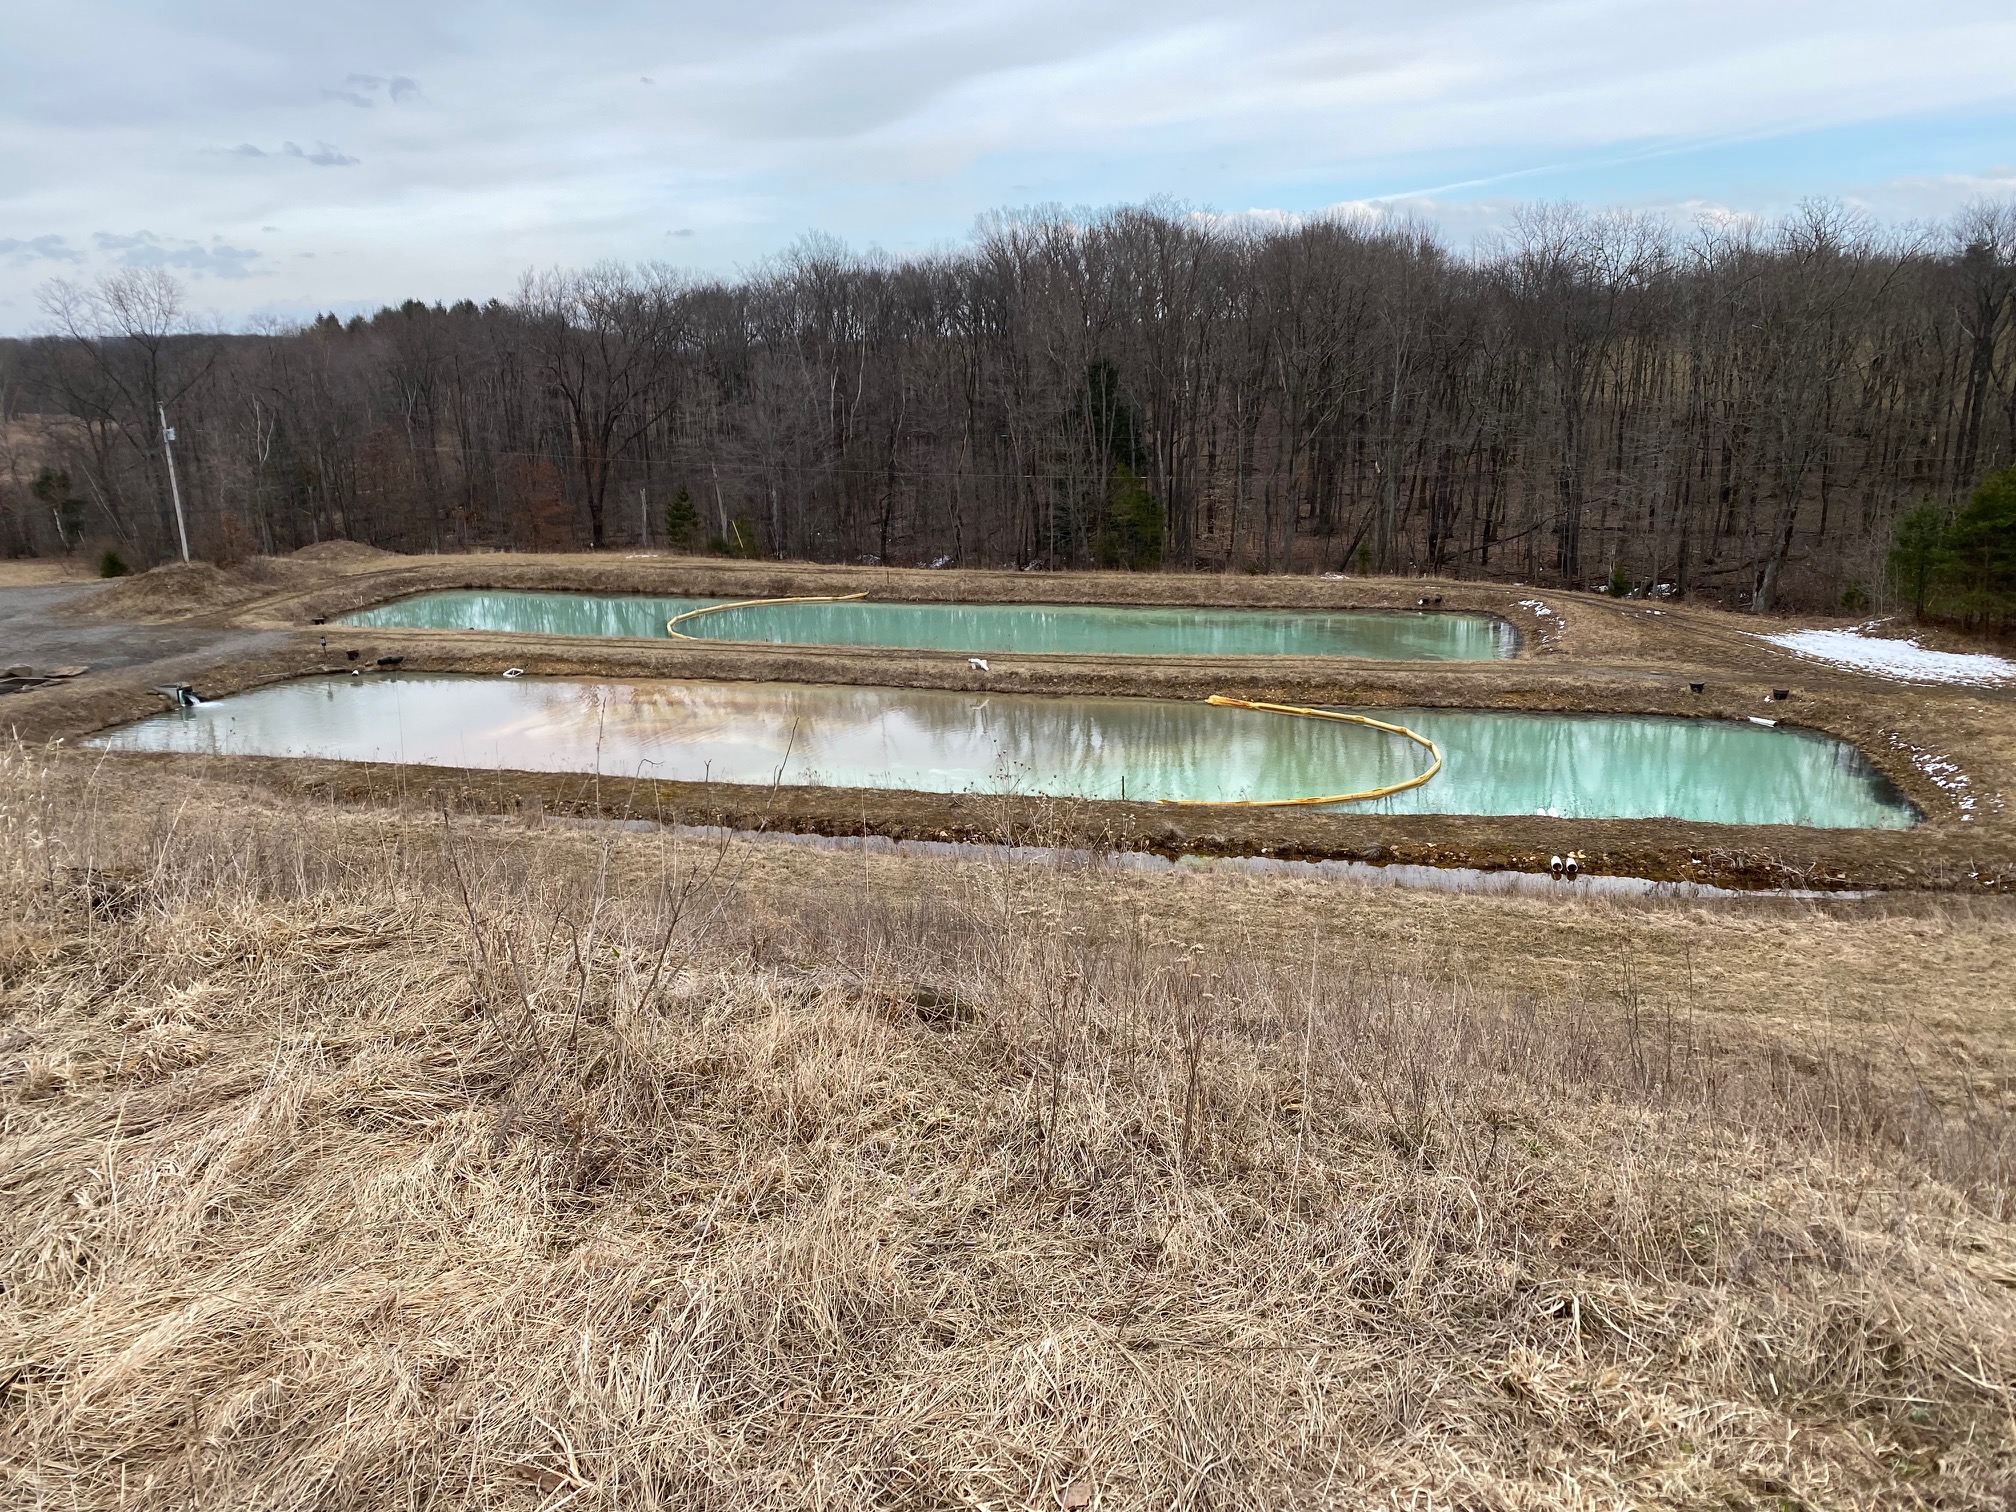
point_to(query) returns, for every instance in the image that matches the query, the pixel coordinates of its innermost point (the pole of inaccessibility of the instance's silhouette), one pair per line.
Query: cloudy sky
(286, 159)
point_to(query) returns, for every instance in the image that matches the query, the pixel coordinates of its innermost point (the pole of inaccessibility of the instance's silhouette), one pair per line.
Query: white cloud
(1935, 195)
(143, 249)
(362, 90)
(20, 252)
(322, 155)
(895, 121)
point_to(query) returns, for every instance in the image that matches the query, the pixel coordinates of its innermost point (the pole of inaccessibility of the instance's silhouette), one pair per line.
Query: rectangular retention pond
(972, 629)
(1595, 766)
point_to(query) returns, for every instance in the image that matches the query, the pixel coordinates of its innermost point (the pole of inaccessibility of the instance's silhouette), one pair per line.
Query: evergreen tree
(1978, 560)
(1136, 532)
(1915, 559)
(681, 519)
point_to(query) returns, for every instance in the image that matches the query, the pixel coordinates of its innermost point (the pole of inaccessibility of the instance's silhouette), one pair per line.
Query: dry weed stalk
(376, 1161)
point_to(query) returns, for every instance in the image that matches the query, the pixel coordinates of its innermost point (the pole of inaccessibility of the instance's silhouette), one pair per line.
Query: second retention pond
(1587, 766)
(971, 629)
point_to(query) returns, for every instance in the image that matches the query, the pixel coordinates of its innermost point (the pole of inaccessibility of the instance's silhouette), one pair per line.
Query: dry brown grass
(343, 553)
(41, 572)
(198, 590)
(371, 1161)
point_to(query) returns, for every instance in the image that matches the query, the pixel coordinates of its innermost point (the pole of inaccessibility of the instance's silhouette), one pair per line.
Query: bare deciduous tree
(1742, 411)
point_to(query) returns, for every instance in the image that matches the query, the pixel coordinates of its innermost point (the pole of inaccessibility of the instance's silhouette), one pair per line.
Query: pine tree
(1914, 560)
(1978, 562)
(681, 519)
(1137, 521)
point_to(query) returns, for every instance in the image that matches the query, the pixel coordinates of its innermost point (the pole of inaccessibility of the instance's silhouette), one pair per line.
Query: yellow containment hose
(1358, 719)
(671, 629)
(672, 625)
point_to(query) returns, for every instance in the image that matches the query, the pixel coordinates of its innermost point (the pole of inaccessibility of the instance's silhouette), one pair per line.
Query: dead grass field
(396, 1159)
(36, 572)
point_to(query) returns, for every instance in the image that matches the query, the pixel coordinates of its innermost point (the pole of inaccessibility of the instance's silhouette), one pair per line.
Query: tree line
(1737, 410)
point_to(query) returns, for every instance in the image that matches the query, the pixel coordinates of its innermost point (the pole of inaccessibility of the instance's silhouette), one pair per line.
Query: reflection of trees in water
(1122, 630)
(1125, 630)
(534, 613)
(1497, 762)
(1062, 746)
(1590, 766)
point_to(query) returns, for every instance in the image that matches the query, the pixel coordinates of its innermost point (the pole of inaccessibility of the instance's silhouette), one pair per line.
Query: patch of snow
(1943, 771)
(1549, 627)
(1905, 660)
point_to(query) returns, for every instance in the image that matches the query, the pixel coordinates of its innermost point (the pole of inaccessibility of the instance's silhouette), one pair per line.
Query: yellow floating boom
(1297, 709)
(671, 625)
(1223, 702)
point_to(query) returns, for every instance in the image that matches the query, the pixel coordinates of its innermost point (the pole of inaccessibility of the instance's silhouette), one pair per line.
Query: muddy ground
(1952, 751)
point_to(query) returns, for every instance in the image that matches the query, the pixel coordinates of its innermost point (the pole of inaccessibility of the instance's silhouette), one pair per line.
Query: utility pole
(643, 517)
(174, 488)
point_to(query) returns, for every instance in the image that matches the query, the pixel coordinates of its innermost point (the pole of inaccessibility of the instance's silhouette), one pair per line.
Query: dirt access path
(46, 625)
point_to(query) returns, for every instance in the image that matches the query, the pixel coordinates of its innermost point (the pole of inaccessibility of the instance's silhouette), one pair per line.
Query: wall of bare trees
(1737, 410)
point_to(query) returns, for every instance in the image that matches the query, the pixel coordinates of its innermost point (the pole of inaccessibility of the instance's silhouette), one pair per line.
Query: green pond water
(1496, 761)
(976, 629)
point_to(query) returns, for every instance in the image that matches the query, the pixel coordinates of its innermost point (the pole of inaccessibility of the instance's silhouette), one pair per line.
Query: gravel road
(33, 632)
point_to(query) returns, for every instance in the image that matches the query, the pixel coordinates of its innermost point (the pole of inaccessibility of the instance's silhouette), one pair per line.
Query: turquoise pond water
(976, 629)
(1594, 766)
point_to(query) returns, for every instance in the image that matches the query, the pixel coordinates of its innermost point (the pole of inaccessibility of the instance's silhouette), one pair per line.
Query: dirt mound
(181, 589)
(340, 551)
(170, 592)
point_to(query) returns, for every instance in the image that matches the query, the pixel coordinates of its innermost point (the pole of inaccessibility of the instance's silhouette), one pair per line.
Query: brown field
(386, 1157)
(32, 572)
(30, 442)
